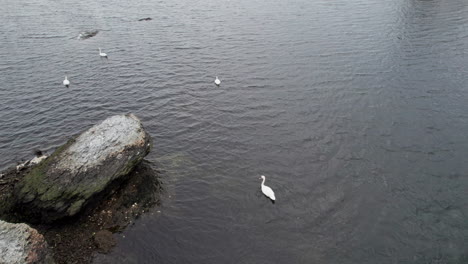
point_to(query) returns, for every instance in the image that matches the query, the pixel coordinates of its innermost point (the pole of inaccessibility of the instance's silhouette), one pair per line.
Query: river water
(356, 111)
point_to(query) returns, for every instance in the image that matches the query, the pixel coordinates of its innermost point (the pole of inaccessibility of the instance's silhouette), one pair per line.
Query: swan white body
(267, 191)
(217, 81)
(66, 82)
(102, 54)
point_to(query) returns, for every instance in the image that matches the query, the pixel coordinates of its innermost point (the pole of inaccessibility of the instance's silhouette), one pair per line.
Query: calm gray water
(356, 111)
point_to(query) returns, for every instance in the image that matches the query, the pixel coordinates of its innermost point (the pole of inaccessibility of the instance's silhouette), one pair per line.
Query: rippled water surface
(356, 111)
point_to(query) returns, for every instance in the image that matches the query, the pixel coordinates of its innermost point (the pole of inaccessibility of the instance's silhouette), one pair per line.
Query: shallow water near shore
(354, 110)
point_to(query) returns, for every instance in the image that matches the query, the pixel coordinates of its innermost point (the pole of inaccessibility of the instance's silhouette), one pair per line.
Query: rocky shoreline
(19, 243)
(93, 186)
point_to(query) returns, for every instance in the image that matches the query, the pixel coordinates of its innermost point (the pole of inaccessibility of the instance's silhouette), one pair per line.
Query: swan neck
(263, 181)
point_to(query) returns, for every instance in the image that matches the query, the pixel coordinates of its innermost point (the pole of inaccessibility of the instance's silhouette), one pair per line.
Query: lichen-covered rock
(21, 244)
(82, 168)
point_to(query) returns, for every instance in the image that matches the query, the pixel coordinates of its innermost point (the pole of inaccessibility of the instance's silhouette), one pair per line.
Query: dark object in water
(87, 34)
(145, 19)
(38, 152)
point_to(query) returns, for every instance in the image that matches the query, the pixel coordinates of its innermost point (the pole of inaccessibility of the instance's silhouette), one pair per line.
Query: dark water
(356, 111)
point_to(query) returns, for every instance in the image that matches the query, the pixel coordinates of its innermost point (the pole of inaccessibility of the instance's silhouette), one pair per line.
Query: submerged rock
(21, 244)
(78, 240)
(104, 241)
(87, 34)
(65, 182)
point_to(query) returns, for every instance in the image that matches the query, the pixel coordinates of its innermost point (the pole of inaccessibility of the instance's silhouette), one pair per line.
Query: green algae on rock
(66, 181)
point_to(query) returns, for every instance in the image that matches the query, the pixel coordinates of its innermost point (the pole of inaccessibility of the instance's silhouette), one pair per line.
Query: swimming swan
(102, 54)
(267, 191)
(66, 82)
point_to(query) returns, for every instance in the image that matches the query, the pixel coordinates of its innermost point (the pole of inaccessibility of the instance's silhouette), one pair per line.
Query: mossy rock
(82, 168)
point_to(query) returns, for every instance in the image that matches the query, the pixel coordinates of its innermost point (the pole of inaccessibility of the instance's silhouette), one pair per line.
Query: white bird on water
(66, 82)
(267, 191)
(102, 54)
(217, 81)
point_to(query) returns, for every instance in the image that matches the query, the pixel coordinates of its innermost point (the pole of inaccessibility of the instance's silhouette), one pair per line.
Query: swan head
(262, 177)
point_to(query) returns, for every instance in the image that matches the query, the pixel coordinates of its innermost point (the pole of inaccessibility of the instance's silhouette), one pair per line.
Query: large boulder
(81, 169)
(21, 244)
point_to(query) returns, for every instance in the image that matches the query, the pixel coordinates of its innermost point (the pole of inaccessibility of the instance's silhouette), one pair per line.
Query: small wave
(41, 37)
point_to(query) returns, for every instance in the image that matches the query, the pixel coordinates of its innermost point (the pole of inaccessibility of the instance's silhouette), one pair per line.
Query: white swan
(217, 81)
(102, 54)
(66, 82)
(267, 190)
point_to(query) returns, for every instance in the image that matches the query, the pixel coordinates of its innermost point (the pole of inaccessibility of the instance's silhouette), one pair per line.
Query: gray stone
(21, 244)
(65, 182)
